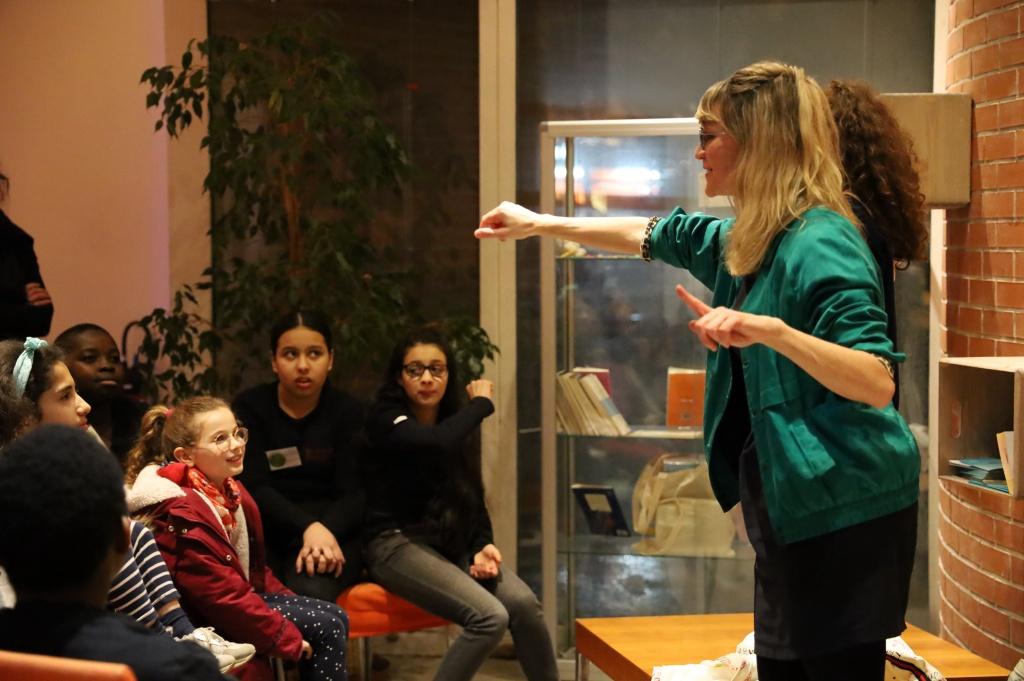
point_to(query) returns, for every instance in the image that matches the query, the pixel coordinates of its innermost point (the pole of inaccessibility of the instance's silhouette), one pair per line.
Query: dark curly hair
(881, 168)
(61, 509)
(19, 413)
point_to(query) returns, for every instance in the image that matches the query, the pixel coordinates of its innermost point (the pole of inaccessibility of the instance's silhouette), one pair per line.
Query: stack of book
(981, 471)
(583, 405)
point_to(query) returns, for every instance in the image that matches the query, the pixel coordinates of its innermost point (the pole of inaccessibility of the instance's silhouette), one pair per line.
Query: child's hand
(486, 563)
(480, 388)
(320, 552)
(307, 650)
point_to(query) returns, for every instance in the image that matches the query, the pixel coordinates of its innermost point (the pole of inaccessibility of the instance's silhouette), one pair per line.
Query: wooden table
(628, 648)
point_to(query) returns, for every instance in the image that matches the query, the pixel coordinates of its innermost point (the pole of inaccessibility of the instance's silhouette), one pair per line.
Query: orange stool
(375, 611)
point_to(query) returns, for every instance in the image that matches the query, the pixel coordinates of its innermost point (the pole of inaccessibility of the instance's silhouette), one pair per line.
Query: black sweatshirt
(326, 487)
(407, 465)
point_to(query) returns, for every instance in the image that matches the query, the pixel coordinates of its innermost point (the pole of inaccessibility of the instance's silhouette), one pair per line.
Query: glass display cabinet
(619, 317)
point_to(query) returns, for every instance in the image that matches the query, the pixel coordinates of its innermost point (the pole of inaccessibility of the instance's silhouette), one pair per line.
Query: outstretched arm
(512, 221)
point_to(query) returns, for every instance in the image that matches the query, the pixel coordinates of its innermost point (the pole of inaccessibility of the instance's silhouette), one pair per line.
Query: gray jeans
(484, 609)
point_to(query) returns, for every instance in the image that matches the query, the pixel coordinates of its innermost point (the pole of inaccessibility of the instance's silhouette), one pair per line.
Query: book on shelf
(684, 399)
(1005, 442)
(997, 485)
(603, 375)
(601, 509)
(580, 406)
(982, 471)
(565, 409)
(584, 407)
(612, 418)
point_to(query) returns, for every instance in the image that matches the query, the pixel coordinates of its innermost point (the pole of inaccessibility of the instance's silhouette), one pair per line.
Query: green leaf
(287, 109)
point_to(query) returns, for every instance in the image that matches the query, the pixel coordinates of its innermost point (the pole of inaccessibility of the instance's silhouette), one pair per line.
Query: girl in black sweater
(428, 533)
(302, 466)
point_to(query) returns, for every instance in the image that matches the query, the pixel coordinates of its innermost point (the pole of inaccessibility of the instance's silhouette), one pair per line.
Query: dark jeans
(324, 626)
(484, 609)
(865, 662)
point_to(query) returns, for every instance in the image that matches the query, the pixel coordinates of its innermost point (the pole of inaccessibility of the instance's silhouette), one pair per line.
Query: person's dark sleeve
(17, 317)
(278, 512)
(395, 428)
(345, 515)
(484, 534)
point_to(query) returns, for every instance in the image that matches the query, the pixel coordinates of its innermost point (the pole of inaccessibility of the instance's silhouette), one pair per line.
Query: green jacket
(826, 462)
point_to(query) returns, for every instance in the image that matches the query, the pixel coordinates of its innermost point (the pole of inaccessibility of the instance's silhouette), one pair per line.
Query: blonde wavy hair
(788, 159)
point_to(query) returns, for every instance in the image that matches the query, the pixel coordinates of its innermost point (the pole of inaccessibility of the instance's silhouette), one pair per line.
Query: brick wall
(985, 241)
(981, 533)
(981, 571)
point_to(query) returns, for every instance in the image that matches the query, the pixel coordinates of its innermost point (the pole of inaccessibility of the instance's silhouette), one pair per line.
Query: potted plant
(299, 161)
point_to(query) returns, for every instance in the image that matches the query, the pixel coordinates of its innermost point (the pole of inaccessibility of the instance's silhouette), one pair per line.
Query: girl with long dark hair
(429, 537)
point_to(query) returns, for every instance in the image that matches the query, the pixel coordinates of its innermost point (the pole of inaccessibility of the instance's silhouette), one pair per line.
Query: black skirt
(829, 592)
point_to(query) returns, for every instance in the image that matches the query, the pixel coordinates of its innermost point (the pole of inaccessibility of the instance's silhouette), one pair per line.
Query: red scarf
(225, 502)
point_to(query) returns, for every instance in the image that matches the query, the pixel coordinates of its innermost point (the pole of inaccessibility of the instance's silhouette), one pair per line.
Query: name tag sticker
(286, 457)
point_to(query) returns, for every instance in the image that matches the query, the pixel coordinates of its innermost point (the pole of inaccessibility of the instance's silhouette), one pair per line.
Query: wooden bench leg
(582, 668)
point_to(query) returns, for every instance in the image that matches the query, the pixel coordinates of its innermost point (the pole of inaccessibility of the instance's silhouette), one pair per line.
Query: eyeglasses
(222, 442)
(704, 137)
(415, 369)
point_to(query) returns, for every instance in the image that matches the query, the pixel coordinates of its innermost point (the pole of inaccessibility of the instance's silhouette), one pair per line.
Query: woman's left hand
(486, 563)
(725, 327)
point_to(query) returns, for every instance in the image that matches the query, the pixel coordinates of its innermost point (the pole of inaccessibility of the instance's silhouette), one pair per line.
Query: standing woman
(799, 423)
(25, 305)
(303, 463)
(428, 531)
(881, 173)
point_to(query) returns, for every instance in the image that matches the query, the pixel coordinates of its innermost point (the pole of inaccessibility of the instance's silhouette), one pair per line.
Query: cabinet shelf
(600, 545)
(647, 433)
(598, 256)
(619, 313)
(970, 418)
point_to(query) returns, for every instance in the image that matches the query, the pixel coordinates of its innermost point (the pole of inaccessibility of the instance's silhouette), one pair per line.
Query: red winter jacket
(205, 568)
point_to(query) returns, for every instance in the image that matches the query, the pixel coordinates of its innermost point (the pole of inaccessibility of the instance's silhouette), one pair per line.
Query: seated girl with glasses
(209, 531)
(302, 468)
(428, 532)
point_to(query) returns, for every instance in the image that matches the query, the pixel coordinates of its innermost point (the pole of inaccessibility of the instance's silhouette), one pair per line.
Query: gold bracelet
(887, 364)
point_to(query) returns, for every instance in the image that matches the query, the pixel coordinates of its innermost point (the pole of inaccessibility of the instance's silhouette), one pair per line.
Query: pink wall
(90, 180)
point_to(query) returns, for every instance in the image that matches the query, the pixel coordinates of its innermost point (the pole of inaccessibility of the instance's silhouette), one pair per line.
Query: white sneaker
(225, 662)
(212, 641)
